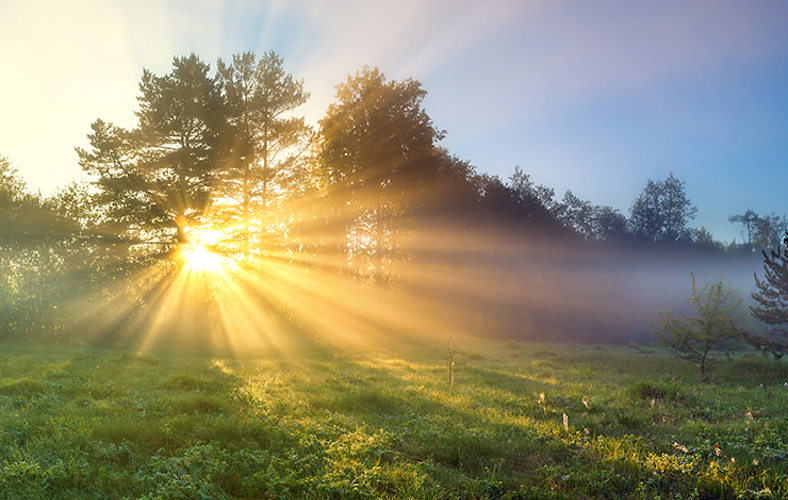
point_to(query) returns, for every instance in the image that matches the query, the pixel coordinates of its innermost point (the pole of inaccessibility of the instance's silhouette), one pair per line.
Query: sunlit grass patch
(605, 423)
(358, 400)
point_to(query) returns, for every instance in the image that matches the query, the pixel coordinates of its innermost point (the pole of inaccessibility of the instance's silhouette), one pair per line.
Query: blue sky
(589, 95)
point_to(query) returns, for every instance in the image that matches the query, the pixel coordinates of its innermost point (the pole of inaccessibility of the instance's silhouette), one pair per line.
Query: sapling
(695, 339)
(772, 303)
(451, 347)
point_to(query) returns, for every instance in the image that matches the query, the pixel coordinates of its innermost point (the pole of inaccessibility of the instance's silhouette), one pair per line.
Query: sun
(197, 255)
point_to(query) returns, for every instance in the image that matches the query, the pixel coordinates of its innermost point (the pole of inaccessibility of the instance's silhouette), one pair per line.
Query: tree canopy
(378, 153)
(206, 150)
(662, 211)
(761, 231)
(378, 143)
(264, 138)
(220, 168)
(157, 180)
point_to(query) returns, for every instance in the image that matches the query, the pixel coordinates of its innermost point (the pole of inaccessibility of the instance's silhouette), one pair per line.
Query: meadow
(521, 420)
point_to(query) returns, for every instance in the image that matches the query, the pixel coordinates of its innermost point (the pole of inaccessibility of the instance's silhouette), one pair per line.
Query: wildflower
(566, 422)
(717, 449)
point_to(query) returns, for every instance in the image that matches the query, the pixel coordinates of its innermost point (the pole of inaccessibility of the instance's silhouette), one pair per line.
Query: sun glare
(199, 258)
(197, 255)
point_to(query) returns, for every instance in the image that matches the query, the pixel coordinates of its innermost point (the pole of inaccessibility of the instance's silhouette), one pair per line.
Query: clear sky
(589, 95)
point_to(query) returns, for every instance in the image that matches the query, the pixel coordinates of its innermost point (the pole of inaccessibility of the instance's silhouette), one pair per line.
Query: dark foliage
(772, 299)
(369, 199)
(662, 211)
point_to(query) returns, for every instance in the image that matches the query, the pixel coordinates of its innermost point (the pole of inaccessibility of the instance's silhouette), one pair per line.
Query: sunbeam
(198, 258)
(223, 222)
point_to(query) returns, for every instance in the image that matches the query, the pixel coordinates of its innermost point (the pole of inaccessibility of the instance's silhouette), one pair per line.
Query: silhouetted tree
(27, 220)
(514, 207)
(457, 198)
(538, 201)
(770, 229)
(772, 299)
(266, 140)
(502, 204)
(609, 223)
(580, 215)
(761, 231)
(748, 221)
(702, 238)
(11, 185)
(583, 217)
(662, 211)
(378, 151)
(157, 181)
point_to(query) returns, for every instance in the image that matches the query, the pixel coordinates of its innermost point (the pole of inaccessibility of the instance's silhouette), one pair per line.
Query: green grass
(81, 422)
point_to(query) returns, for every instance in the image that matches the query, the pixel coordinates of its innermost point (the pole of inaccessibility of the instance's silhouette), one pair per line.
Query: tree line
(222, 159)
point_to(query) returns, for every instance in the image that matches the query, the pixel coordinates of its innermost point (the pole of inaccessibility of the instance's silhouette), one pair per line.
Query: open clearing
(521, 421)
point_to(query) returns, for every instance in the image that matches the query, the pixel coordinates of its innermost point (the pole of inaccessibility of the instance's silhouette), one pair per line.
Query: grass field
(521, 421)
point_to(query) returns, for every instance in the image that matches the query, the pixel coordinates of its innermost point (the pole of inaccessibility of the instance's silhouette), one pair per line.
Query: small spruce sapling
(772, 299)
(694, 339)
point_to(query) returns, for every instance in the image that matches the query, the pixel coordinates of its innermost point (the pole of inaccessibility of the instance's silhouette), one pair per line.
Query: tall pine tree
(156, 181)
